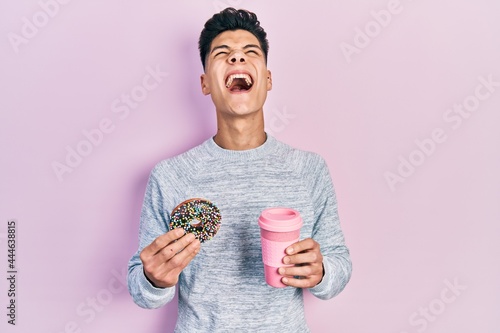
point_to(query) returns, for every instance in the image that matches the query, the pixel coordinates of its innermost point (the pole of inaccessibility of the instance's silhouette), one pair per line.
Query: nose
(237, 57)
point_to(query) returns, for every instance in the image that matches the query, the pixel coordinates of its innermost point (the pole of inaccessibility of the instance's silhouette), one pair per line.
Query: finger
(300, 283)
(169, 271)
(161, 241)
(303, 245)
(166, 274)
(303, 271)
(173, 249)
(303, 258)
(183, 258)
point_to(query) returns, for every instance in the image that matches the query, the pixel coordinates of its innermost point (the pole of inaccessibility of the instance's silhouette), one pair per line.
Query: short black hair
(231, 19)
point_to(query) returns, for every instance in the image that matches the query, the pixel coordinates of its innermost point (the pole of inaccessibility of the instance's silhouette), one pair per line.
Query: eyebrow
(227, 47)
(250, 46)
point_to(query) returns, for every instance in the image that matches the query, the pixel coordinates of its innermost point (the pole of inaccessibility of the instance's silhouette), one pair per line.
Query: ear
(269, 80)
(205, 89)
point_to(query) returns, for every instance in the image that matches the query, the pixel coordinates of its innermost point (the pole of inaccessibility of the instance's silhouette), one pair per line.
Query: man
(243, 171)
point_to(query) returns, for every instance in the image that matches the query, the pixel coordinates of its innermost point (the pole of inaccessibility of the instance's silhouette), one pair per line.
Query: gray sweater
(223, 288)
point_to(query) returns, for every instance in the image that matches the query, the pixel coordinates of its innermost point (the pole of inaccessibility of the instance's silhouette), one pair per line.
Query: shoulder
(302, 160)
(310, 167)
(182, 164)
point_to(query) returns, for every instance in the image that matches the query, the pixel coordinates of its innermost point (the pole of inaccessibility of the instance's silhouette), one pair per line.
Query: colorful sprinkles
(197, 216)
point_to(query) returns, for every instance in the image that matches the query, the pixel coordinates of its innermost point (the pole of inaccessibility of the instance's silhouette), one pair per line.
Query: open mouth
(239, 82)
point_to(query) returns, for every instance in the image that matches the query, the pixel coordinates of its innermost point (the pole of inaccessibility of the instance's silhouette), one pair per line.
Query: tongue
(238, 85)
(237, 88)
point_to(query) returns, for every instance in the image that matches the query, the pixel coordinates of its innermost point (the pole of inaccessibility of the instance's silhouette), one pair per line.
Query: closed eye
(219, 54)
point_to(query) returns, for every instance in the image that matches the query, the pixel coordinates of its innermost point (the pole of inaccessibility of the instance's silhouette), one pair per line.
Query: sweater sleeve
(153, 224)
(327, 232)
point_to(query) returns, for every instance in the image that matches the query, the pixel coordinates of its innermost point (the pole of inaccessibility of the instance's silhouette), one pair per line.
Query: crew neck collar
(249, 154)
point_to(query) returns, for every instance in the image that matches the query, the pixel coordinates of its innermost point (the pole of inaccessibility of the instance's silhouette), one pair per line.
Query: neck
(237, 133)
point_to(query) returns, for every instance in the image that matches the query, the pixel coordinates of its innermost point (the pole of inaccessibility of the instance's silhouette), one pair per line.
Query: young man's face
(236, 75)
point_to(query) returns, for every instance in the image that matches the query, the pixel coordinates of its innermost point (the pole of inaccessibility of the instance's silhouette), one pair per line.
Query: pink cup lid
(280, 219)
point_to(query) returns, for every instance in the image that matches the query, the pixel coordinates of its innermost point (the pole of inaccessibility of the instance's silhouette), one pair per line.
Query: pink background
(362, 112)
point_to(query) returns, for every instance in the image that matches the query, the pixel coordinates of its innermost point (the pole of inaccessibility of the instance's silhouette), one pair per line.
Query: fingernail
(286, 260)
(284, 280)
(281, 270)
(289, 250)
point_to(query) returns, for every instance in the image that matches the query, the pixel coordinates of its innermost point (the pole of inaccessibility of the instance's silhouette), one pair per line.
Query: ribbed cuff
(151, 292)
(323, 289)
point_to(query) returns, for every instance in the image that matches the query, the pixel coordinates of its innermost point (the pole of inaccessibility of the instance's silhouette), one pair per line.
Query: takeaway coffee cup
(279, 228)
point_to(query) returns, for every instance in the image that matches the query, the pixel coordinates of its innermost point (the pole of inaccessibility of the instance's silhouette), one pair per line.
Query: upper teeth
(230, 79)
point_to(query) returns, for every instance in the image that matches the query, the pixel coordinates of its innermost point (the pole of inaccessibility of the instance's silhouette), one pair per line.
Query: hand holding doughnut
(193, 221)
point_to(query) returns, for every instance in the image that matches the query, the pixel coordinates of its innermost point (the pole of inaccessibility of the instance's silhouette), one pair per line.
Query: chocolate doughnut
(197, 216)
